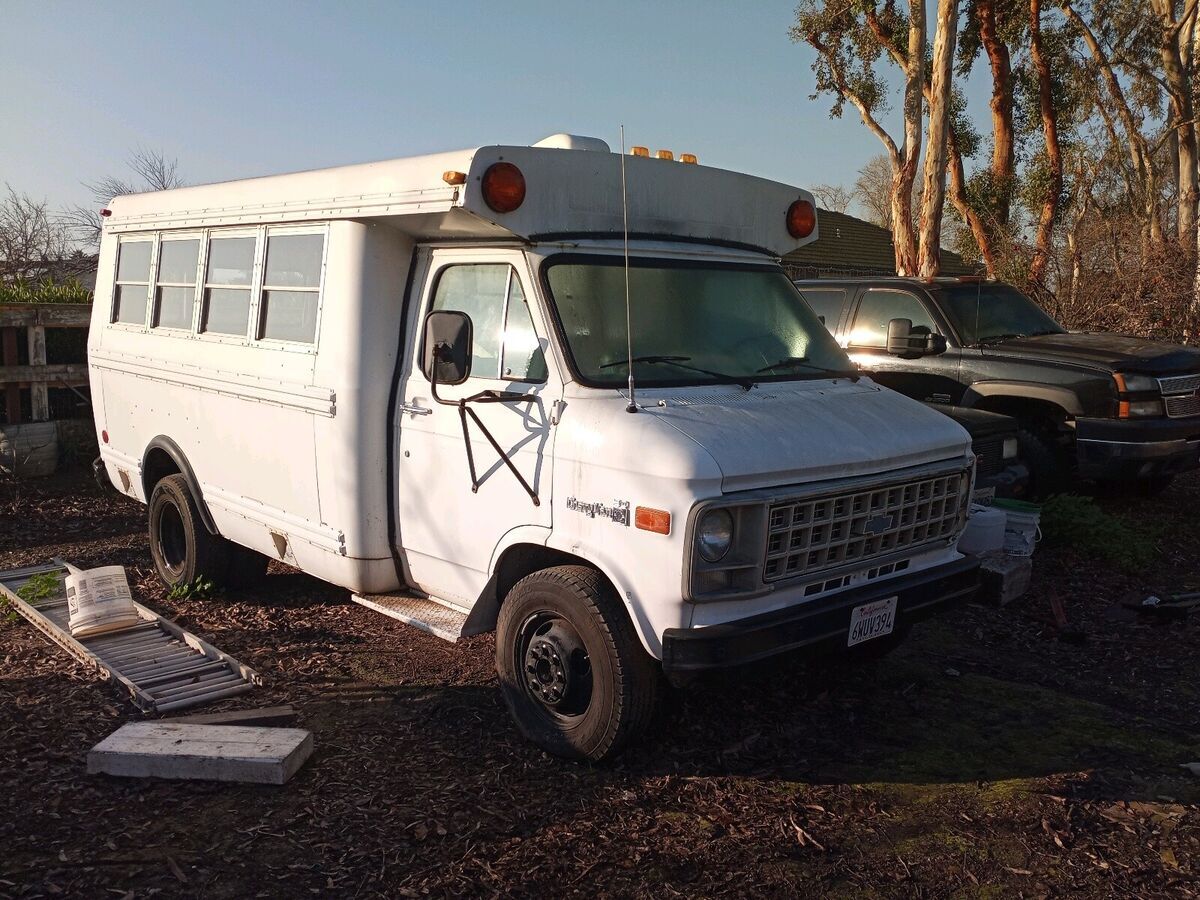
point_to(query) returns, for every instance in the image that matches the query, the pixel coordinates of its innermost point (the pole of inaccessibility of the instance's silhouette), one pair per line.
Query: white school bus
(417, 379)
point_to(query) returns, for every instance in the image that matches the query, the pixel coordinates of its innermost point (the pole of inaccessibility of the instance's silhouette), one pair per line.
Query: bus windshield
(990, 311)
(693, 323)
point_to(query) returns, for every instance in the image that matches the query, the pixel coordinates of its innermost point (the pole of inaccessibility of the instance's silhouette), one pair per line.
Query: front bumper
(1114, 449)
(819, 624)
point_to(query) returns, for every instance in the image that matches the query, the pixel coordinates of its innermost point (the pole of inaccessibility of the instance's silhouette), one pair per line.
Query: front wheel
(184, 551)
(572, 672)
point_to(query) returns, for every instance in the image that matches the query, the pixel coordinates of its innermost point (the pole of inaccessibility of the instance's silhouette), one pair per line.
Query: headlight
(1137, 383)
(715, 534)
(1009, 448)
(1140, 408)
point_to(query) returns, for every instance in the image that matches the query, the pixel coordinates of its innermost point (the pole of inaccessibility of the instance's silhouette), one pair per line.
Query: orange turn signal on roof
(649, 519)
(801, 219)
(503, 187)
(452, 177)
(665, 154)
(688, 158)
(639, 151)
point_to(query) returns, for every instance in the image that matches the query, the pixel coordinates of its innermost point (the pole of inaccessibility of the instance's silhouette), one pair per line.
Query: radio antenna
(632, 407)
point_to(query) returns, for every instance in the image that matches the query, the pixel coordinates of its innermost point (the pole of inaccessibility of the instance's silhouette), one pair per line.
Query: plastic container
(1021, 531)
(99, 601)
(984, 532)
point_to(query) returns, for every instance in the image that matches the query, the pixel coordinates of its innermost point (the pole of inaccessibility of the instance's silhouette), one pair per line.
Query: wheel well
(158, 465)
(1026, 409)
(514, 564)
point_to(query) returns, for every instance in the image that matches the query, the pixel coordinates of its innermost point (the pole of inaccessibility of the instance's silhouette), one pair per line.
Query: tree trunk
(903, 235)
(958, 196)
(1003, 135)
(1045, 229)
(934, 195)
(1173, 37)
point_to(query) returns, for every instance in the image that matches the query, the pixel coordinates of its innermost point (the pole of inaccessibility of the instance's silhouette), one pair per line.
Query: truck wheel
(571, 669)
(1047, 474)
(182, 548)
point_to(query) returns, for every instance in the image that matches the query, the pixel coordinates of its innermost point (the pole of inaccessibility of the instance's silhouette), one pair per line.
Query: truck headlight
(1142, 408)
(1008, 450)
(1137, 383)
(714, 536)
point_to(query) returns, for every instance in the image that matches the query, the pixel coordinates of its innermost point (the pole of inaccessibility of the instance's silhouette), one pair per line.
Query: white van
(412, 378)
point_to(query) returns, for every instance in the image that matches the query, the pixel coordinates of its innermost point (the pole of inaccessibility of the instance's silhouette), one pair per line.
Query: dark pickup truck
(1104, 407)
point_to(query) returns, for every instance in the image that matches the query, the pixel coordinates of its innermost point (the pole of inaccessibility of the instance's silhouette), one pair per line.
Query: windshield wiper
(998, 338)
(680, 362)
(801, 362)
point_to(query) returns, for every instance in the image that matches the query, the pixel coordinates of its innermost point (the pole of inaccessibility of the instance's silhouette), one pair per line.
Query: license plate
(872, 620)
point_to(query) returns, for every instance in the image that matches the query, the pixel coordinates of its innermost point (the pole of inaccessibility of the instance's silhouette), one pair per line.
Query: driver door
(448, 530)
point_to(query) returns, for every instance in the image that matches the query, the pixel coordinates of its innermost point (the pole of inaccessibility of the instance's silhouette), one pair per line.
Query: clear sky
(234, 89)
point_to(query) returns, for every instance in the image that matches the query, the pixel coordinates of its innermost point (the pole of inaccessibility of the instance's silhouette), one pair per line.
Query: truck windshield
(985, 311)
(693, 323)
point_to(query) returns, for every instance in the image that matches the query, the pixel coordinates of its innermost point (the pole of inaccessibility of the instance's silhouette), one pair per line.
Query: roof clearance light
(639, 151)
(503, 187)
(688, 158)
(452, 177)
(801, 219)
(665, 154)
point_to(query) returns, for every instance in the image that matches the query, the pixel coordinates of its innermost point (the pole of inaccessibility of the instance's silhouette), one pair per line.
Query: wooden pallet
(161, 666)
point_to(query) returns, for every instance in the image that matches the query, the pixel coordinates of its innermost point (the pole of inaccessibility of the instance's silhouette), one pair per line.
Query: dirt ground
(984, 758)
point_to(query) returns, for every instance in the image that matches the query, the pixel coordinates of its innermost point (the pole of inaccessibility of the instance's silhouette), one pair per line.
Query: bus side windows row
(263, 286)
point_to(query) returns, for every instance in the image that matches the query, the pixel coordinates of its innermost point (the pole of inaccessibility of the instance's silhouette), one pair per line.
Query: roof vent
(564, 141)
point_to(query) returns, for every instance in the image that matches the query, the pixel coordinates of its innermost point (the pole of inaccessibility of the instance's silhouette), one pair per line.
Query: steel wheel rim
(171, 538)
(553, 666)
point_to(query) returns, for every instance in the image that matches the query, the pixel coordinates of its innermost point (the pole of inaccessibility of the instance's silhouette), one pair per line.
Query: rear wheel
(182, 548)
(572, 672)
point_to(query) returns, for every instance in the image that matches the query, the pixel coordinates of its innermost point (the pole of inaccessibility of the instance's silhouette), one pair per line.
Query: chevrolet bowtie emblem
(877, 525)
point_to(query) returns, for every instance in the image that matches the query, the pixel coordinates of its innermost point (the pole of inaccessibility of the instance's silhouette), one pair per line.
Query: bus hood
(792, 432)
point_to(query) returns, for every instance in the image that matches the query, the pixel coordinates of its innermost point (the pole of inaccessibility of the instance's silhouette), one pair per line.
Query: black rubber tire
(245, 567)
(182, 548)
(626, 682)
(1047, 473)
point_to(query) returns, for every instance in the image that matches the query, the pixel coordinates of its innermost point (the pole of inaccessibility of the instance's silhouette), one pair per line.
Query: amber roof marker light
(503, 187)
(801, 218)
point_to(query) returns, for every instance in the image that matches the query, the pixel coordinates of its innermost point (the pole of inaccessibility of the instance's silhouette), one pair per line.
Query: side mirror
(446, 350)
(935, 344)
(908, 343)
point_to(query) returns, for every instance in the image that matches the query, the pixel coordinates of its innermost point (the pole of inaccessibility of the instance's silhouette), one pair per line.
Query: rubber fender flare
(1023, 390)
(169, 447)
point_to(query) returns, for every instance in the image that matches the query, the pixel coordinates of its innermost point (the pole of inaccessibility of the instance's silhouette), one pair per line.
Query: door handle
(414, 410)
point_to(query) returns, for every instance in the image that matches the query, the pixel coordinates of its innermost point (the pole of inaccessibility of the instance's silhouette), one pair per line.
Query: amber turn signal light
(639, 151)
(688, 158)
(452, 177)
(665, 154)
(649, 519)
(503, 187)
(801, 219)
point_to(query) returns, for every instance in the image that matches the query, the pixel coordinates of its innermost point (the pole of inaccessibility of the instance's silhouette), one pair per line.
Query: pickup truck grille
(1181, 394)
(1181, 384)
(1181, 407)
(810, 534)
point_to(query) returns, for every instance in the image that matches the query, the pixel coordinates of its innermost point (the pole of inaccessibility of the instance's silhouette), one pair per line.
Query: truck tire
(572, 671)
(182, 548)
(1047, 474)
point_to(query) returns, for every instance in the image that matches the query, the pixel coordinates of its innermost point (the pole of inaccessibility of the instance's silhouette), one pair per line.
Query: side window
(227, 279)
(133, 282)
(291, 284)
(505, 344)
(877, 308)
(175, 290)
(827, 304)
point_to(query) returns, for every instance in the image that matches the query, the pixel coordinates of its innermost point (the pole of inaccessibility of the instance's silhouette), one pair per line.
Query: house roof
(850, 246)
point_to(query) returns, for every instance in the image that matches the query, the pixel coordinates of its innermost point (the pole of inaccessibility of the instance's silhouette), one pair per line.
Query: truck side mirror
(446, 351)
(935, 344)
(908, 343)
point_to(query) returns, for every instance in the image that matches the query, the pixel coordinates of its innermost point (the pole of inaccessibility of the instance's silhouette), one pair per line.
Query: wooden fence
(35, 374)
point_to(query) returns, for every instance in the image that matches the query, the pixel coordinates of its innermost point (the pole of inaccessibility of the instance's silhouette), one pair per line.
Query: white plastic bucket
(1021, 531)
(99, 601)
(984, 532)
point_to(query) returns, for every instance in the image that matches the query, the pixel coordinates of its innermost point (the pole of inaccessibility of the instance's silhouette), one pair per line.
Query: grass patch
(1078, 523)
(48, 291)
(199, 588)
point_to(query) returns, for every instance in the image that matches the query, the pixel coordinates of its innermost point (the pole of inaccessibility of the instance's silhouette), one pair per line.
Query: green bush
(48, 291)
(1077, 522)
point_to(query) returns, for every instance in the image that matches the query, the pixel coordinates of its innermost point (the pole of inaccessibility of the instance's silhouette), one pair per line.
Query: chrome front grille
(1180, 384)
(1182, 406)
(808, 535)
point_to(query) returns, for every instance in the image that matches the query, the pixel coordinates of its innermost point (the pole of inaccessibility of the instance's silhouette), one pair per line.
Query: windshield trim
(615, 259)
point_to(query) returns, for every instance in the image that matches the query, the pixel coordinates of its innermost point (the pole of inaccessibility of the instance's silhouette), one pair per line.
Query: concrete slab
(207, 752)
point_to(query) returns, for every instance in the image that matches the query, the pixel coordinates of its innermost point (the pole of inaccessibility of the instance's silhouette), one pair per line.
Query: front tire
(182, 548)
(572, 671)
